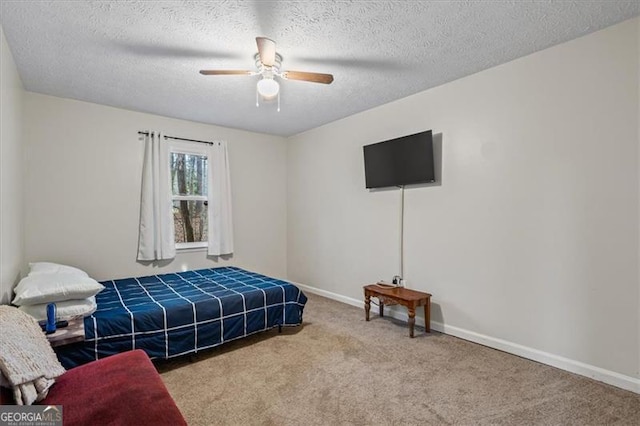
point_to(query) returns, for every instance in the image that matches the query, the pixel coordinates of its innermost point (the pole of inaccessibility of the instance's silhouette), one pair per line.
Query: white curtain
(156, 238)
(220, 224)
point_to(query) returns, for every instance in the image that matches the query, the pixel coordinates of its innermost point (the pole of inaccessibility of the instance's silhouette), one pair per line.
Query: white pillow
(67, 310)
(53, 268)
(47, 288)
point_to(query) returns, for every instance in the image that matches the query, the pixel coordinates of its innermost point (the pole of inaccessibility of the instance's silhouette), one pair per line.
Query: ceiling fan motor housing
(275, 69)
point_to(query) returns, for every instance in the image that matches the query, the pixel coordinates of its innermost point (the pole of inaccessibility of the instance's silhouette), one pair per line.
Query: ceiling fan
(268, 63)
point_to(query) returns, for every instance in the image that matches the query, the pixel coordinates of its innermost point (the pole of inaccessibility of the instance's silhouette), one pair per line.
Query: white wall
(11, 179)
(532, 236)
(84, 164)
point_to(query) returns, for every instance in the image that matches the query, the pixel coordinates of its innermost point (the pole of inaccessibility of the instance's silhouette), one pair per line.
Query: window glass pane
(188, 174)
(190, 221)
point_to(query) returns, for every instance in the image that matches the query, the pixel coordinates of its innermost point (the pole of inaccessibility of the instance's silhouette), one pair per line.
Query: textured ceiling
(145, 56)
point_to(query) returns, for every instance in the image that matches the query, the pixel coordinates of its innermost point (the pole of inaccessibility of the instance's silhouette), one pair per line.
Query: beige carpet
(338, 369)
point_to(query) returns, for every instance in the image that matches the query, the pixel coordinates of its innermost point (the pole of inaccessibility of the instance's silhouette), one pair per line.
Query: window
(189, 170)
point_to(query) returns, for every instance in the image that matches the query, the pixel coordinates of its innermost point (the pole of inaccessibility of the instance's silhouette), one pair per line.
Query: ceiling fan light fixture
(268, 63)
(268, 88)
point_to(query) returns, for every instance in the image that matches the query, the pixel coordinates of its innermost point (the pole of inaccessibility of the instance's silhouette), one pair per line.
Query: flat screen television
(401, 161)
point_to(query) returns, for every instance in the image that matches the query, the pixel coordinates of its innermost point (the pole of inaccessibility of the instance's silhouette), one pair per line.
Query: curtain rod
(179, 139)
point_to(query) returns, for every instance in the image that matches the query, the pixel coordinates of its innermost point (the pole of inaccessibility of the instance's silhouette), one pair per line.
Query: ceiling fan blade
(314, 77)
(225, 72)
(267, 51)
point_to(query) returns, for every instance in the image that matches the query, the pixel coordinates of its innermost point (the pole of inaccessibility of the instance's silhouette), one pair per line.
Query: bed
(176, 314)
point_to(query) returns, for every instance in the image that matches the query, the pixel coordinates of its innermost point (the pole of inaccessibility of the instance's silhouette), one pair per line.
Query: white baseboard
(600, 374)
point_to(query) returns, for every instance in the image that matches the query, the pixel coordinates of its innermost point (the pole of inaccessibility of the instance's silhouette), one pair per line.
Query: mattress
(176, 314)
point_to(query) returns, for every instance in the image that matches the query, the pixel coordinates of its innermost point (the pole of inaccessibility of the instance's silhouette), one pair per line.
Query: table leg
(381, 308)
(412, 320)
(427, 316)
(367, 306)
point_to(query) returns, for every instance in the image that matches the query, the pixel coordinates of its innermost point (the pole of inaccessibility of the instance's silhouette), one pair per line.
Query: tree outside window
(190, 198)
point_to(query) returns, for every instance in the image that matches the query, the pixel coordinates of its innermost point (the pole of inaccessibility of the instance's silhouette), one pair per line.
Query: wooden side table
(412, 299)
(72, 333)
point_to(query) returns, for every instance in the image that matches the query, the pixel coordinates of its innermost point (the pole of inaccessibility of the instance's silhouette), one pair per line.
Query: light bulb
(268, 88)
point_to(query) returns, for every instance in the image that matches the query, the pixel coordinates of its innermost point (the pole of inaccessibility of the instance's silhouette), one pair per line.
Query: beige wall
(532, 236)
(11, 179)
(84, 164)
(638, 111)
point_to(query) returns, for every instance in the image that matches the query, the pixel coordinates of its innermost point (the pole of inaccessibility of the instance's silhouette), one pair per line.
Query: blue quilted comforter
(175, 314)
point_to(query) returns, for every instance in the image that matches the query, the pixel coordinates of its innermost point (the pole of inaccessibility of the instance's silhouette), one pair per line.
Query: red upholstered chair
(123, 389)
